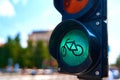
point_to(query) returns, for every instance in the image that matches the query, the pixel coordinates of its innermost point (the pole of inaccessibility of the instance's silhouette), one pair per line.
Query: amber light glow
(74, 6)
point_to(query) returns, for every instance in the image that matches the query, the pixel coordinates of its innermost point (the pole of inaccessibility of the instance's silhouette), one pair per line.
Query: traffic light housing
(79, 43)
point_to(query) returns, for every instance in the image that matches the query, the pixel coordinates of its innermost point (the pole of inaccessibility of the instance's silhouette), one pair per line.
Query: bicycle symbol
(76, 49)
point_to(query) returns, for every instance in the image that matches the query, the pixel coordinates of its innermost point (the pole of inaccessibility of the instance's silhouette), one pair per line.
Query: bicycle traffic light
(79, 43)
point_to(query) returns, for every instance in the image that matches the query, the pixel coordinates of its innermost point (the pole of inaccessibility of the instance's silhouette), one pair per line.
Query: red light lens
(74, 6)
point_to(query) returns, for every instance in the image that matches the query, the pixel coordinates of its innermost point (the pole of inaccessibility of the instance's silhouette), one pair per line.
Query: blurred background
(25, 29)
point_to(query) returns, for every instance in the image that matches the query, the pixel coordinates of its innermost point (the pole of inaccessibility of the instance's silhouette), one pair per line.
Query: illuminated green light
(74, 47)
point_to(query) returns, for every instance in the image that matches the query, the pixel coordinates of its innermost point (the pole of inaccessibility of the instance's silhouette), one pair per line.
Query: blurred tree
(41, 53)
(5, 53)
(3, 57)
(17, 49)
(28, 56)
(118, 62)
(32, 55)
(11, 49)
(14, 48)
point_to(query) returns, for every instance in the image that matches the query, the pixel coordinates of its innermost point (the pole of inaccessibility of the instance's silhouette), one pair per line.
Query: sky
(26, 16)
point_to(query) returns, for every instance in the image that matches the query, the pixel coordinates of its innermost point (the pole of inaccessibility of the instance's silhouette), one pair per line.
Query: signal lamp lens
(74, 6)
(74, 48)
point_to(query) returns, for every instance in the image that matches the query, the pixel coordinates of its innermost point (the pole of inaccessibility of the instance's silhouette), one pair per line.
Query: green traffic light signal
(74, 48)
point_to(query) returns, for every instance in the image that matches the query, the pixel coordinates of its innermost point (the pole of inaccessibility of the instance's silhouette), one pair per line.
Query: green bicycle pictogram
(76, 49)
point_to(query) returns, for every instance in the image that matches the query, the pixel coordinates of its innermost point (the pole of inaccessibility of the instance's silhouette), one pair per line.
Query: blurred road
(38, 77)
(41, 75)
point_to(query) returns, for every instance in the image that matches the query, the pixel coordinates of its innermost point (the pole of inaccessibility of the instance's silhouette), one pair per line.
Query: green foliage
(41, 54)
(118, 61)
(33, 55)
(3, 57)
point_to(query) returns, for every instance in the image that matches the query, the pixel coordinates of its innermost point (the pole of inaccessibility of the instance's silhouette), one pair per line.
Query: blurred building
(40, 35)
(2, 44)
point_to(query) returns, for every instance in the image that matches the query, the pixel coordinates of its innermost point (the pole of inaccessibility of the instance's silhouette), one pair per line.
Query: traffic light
(79, 43)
